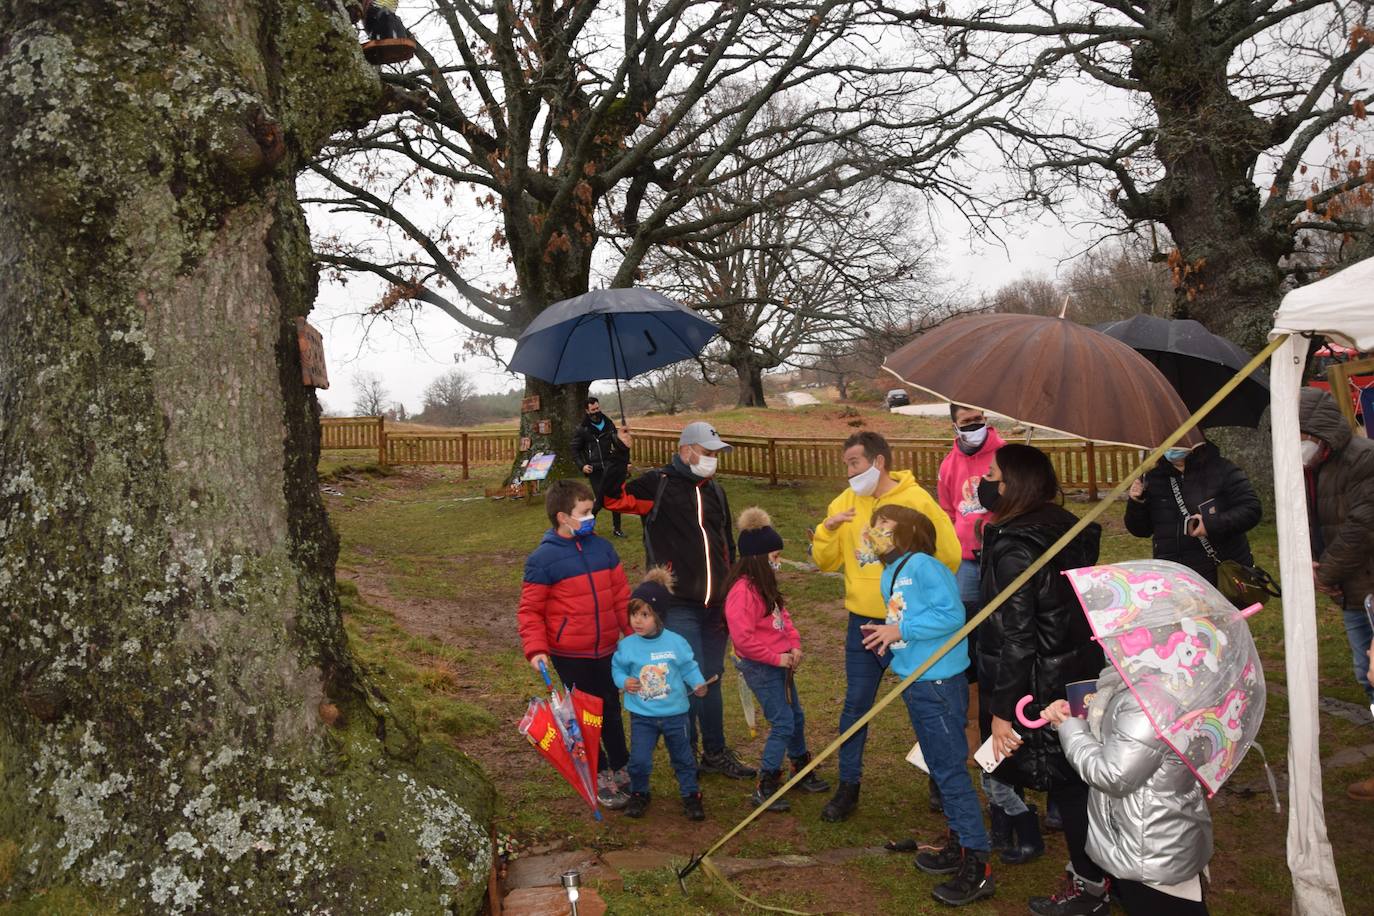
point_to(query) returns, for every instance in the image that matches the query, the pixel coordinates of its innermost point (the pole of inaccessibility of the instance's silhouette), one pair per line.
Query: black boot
(842, 803)
(812, 782)
(1029, 844)
(999, 828)
(692, 807)
(769, 780)
(972, 881)
(942, 861)
(1053, 822)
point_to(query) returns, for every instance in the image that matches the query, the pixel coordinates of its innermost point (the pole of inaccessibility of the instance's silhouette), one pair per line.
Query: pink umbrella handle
(1252, 610)
(1021, 714)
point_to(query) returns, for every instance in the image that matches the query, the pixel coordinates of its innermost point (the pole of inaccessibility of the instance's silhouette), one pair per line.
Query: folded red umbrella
(540, 726)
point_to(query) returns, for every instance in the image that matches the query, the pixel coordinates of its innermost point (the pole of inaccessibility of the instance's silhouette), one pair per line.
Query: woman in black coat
(1037, 642)
(1219, 506)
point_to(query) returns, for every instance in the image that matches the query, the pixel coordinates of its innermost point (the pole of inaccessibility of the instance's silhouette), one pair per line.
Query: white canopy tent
(1341, 306)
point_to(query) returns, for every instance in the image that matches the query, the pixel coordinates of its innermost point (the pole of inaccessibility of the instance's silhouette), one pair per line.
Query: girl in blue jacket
(923, 611)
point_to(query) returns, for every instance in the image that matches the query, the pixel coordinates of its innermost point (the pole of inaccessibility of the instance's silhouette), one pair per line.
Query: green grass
(451, 567)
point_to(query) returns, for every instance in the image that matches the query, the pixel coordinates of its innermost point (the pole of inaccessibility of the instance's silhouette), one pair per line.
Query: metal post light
(572, 880)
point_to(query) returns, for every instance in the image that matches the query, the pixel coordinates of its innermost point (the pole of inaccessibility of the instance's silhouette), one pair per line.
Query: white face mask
(975, 438)
(864, 484)
(705, 466)
(1310, 451)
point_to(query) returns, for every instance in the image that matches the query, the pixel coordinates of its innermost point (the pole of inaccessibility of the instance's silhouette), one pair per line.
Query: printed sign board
(311, 342)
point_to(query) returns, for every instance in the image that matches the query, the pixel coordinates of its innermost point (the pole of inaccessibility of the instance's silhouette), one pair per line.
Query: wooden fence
(1080, 465)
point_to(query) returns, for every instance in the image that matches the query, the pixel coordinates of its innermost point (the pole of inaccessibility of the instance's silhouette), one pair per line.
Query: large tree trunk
(750, 376)
(1225, 270)
(548, 275)
(182, 727)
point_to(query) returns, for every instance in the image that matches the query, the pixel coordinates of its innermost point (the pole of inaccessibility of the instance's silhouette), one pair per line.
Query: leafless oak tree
(1191, 101)
(550, 112)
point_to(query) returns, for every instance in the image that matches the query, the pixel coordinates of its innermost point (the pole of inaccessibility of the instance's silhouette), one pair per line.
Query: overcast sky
(411, 355)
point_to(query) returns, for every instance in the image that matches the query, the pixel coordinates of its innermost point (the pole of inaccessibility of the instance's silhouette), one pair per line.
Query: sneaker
(942, 861)
(637, 805)
(1072, 899)
(726, 763)
(608, 791)
(842, 803)
(812, 782)
(769, 781)
(972, 881)
(622, 779)
(691, 806)
(618, 533)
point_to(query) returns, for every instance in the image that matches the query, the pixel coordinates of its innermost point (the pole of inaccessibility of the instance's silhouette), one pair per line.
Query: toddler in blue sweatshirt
(655, 667)
(923, 612)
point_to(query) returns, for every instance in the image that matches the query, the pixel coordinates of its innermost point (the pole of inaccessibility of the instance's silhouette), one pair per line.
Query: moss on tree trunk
(188, 732)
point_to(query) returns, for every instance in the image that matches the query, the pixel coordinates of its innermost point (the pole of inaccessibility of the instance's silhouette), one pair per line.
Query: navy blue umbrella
(609, 333)
(1197, 363)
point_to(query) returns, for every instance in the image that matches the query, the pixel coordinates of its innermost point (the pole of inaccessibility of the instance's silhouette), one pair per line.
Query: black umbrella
(609, 333)
(1197, 363)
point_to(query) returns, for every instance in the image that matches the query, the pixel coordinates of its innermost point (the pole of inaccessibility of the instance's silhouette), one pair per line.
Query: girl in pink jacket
(768, 651)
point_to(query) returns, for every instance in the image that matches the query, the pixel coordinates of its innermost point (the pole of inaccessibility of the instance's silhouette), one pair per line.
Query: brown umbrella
(1047, 372)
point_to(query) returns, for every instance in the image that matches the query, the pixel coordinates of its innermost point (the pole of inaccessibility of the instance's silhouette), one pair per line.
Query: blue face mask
(583, 526)
(1176, 454)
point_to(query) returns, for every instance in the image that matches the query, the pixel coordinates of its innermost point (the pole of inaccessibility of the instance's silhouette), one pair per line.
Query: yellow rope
(1092, 514)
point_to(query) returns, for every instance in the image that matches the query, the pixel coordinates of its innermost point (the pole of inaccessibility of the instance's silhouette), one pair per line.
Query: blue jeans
(705, 631)
(644, 732)
(863, 671)
(939, 712)
(1003, 795)
(1358, 631)
(971, 596)
(787, 730)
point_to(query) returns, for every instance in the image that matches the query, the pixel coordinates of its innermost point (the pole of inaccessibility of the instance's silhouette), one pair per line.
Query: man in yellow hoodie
(839, 544)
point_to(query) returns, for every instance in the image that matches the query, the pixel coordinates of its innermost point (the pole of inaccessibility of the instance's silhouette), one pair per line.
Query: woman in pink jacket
(768, 651)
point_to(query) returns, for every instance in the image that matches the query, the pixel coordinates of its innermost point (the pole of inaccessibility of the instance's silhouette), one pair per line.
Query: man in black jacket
(688, 529)
(596, 448)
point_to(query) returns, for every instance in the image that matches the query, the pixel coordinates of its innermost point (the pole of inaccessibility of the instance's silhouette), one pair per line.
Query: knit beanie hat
(656, 591)
(757, 536)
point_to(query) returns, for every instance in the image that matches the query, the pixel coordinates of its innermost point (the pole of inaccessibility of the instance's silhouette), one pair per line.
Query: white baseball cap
(703, 434)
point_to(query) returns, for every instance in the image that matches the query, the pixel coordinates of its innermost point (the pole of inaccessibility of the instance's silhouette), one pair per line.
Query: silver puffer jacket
(1147, 813)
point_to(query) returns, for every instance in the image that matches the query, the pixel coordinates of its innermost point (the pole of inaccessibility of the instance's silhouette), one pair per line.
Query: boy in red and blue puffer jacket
(573, 612)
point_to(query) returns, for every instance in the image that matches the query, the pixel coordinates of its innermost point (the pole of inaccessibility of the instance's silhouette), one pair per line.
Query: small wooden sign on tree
(311, 343)
(543, 427)
(530, 404)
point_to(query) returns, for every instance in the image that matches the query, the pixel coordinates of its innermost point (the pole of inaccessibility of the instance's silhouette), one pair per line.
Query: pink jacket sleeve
(944, 487)
(793, 637)
(744, 615)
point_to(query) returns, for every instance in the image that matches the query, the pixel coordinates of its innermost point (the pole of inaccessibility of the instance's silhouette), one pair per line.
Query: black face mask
(988, 496)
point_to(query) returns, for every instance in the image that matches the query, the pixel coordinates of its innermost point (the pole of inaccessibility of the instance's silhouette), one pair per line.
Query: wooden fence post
(1092, 473)
(465, 456)
(381, 441)
(773, 462)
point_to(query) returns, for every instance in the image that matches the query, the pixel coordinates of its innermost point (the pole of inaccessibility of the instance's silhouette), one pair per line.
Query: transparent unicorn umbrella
(1187, 655)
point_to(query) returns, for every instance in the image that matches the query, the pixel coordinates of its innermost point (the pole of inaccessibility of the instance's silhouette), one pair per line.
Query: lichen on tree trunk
(190, 733)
